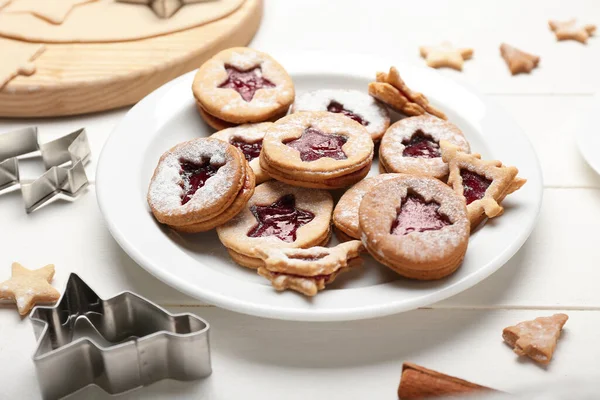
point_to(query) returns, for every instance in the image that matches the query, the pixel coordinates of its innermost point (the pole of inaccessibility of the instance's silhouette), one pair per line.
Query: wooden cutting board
(73, 79)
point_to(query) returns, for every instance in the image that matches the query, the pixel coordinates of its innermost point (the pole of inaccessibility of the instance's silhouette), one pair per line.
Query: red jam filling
(336, 107)
(315, 277)
(474, 185)
(421, 145)
(250, 150)
(280, 219)
(314, 144)
(417, 215)
(194, 176)
(307, 258)
(246, 83)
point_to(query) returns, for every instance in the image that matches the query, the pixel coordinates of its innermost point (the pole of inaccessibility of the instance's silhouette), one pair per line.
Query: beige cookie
(242, 85)
(29, 287)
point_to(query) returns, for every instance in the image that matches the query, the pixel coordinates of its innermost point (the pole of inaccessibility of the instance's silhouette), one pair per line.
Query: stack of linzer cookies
(264, 179)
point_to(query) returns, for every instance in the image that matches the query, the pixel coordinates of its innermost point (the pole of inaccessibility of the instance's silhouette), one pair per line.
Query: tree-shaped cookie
(17, 59)
(484, 184)
(536, 339)
(307, 270)
(517, 60)
(391, 89)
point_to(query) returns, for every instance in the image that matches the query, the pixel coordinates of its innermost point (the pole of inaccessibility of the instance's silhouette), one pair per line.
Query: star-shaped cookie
(53, 11)
(568, 30)
(445, 55)
(17, 59)
(536, 339)
(518, 61)
(28, 287)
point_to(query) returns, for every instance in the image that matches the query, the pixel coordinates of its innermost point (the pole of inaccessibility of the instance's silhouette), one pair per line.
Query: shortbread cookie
(307, 270)
(536, 339)
(445, 55)
(359, 106)
(484, 184)
(518, 61)
(277, 215)
(317, 149)
(412, 146)
(345, 214)
(393, 91)
(29, 287)
(242, 85)
(248, 138)
(569, 30)
(417, 226)
(199, 185)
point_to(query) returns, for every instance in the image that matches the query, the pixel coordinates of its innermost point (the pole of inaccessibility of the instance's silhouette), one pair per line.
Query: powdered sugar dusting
(167, 186)
(359, 103)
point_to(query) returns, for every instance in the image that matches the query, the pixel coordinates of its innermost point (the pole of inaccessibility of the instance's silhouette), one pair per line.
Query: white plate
(199, 266)
(588, 134)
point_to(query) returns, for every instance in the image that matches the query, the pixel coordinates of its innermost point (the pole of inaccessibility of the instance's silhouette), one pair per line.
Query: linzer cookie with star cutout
(483, 184)
(415, 225)
(277, 216)
(242, 85)
(412, 146)
(345, 214)
(317, 149)
(307, 271)
(199, 185)
(248, 138)
(359, 106)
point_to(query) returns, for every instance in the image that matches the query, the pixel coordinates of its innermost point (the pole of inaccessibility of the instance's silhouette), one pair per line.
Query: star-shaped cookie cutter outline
(64, 160)
(133, 343)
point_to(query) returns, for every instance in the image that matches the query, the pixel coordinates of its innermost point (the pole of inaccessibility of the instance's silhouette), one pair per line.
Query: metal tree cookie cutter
(73, 149)
(135, 343)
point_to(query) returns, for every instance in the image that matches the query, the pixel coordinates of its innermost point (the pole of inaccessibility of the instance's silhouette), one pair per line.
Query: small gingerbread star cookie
(536, 339)
(484, 184)
(568, 30)
(518, 61)
(445, 55)
(28, 287)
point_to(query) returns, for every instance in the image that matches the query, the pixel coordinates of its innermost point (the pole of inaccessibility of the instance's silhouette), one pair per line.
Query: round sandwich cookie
(345, 214)
(415, 225)
(317, 149)
(277, 216)
(249, 139)
(241, 85)
(412, 146)
(199, 185)
(354, 104)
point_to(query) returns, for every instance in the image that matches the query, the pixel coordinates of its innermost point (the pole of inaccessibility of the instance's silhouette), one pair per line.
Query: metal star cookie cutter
(135, 343)
(58, 179)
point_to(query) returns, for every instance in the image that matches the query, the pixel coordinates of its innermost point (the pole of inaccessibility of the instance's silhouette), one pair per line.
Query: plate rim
(271, 311)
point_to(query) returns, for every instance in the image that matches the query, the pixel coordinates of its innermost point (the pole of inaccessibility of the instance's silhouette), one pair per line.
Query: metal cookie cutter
(135, 343)
(72, 148)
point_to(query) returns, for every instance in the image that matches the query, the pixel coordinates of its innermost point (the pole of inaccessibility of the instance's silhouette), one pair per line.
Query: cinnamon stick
(422, 383)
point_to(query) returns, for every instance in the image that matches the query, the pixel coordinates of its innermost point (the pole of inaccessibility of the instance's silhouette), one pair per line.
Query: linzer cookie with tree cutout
(248, 138)
(391, 89)
(199, 185)
(345, 214)
(359, 106)
(415, 225)
(242, 85)
(317, 149)
(412, 146)
(307, 271)
(484, 184)
(278, 215)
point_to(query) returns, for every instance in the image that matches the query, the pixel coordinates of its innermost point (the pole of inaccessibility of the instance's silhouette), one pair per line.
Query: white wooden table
(556, 270)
